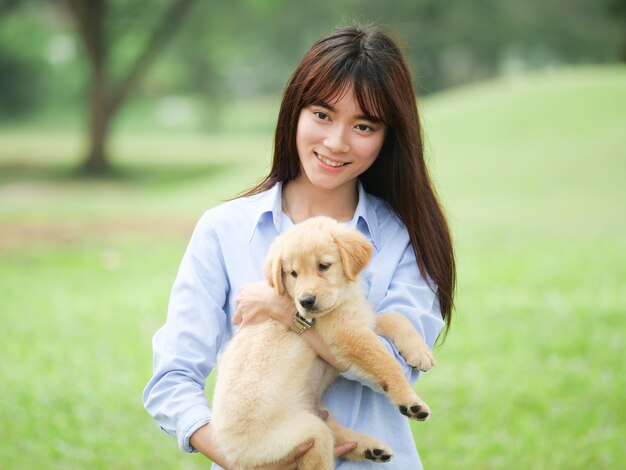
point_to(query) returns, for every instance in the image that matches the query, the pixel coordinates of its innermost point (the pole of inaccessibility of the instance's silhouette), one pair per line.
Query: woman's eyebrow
(369, 117)
(323, 104)
(331, 108)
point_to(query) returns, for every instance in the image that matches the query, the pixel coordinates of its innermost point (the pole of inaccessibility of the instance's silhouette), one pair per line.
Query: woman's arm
(258, 301)
(185, 347)
(317, 343)
(204, 442)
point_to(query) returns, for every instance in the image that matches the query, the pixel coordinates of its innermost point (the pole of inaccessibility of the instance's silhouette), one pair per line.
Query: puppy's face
(315, 262)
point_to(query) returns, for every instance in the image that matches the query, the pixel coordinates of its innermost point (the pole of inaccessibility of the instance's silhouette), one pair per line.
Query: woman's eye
(321, 115)
(364, 128)
(323, 266)
(293, 274)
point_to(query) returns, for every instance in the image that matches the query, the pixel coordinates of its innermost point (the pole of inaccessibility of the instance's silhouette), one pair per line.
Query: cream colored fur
(267, 398)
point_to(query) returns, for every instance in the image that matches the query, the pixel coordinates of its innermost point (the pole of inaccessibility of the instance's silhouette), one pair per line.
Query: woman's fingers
(291, 461)
(257, 302)
(237, 316)
(344, 448)
(302, 449)
(248, 304)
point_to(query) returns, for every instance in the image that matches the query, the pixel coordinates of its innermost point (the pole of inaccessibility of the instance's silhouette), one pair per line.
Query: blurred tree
(98, 30)
(19, 84)
(21, 67)
(228, 52)
(7, 5)
(617, 9)
(242, 48)
(249, 47)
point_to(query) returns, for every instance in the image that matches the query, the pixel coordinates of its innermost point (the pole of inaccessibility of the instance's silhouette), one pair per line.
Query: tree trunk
(100, 117)
(106, 99)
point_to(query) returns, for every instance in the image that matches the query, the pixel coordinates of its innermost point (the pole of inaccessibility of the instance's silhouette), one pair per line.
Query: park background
(122, 121)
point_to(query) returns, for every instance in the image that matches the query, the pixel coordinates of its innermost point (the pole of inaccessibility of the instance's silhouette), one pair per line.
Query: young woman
(348, 145)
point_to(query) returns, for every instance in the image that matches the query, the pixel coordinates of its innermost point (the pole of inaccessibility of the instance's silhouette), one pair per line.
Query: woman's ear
(273, 270)
(354, 249)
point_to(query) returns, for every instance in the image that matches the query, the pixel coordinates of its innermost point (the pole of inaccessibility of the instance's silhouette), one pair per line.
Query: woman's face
(337, 142)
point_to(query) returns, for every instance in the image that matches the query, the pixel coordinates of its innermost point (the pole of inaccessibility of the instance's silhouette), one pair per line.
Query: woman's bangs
(325, 87)
(329, 86)
(372, 101)
(371, 91)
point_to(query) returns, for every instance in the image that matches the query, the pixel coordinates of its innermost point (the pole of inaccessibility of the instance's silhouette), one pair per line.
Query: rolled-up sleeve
(185, 348)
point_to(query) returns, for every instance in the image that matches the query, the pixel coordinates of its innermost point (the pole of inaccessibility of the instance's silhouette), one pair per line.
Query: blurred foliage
(21, 64)
(617, 8)
(235, 49)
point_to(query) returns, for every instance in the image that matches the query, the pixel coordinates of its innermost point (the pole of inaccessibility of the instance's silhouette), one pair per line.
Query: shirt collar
(269, 207)
(365, 216)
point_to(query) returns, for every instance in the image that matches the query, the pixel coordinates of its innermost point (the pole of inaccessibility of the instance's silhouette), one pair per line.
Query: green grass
(532, 373)
(76, 341)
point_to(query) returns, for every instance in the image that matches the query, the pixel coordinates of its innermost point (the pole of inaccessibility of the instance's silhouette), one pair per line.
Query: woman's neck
(302, 200)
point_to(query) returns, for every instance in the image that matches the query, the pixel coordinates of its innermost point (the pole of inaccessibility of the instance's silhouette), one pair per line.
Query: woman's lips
(329, 161)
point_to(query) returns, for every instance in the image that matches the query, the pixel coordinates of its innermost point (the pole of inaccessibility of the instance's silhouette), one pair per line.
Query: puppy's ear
(273, 270)
(355, 251)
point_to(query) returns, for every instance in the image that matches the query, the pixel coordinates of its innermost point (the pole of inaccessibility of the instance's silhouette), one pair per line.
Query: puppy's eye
(293, 274)
(323, 266)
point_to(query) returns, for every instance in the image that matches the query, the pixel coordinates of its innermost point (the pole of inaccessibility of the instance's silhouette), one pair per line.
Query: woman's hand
(291, 462)
(204, 442)
(258, 301)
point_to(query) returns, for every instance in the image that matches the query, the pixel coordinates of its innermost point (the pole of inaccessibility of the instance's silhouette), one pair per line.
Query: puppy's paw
(370, 448)
(419, 357)
(418, 411)
(378, 455)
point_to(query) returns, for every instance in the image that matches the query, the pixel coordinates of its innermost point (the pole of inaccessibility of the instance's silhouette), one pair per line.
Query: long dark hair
(369, 60)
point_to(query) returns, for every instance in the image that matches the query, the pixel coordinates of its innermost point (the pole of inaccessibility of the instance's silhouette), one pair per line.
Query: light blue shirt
(226, 251)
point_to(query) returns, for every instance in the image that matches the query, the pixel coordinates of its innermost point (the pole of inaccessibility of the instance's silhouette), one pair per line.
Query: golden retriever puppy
(267, 397)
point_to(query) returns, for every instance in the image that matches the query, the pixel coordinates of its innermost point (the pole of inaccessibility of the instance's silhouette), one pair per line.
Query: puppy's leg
(320, 456)
(368, 447)
(288, 431)
(362, 349)
(409, 342)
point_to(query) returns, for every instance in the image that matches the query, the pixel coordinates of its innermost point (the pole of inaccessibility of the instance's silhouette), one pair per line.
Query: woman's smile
(329, 162)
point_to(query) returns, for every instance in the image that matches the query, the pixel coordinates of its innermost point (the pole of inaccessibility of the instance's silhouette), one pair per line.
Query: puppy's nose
(307, 301)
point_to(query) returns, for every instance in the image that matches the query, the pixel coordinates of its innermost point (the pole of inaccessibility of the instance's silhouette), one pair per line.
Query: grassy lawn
(531, 375)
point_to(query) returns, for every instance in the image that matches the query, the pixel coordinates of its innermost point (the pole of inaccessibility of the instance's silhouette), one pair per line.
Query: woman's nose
(336, 141)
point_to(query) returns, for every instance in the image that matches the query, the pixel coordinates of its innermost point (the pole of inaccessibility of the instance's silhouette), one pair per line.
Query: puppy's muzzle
(308, 302)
